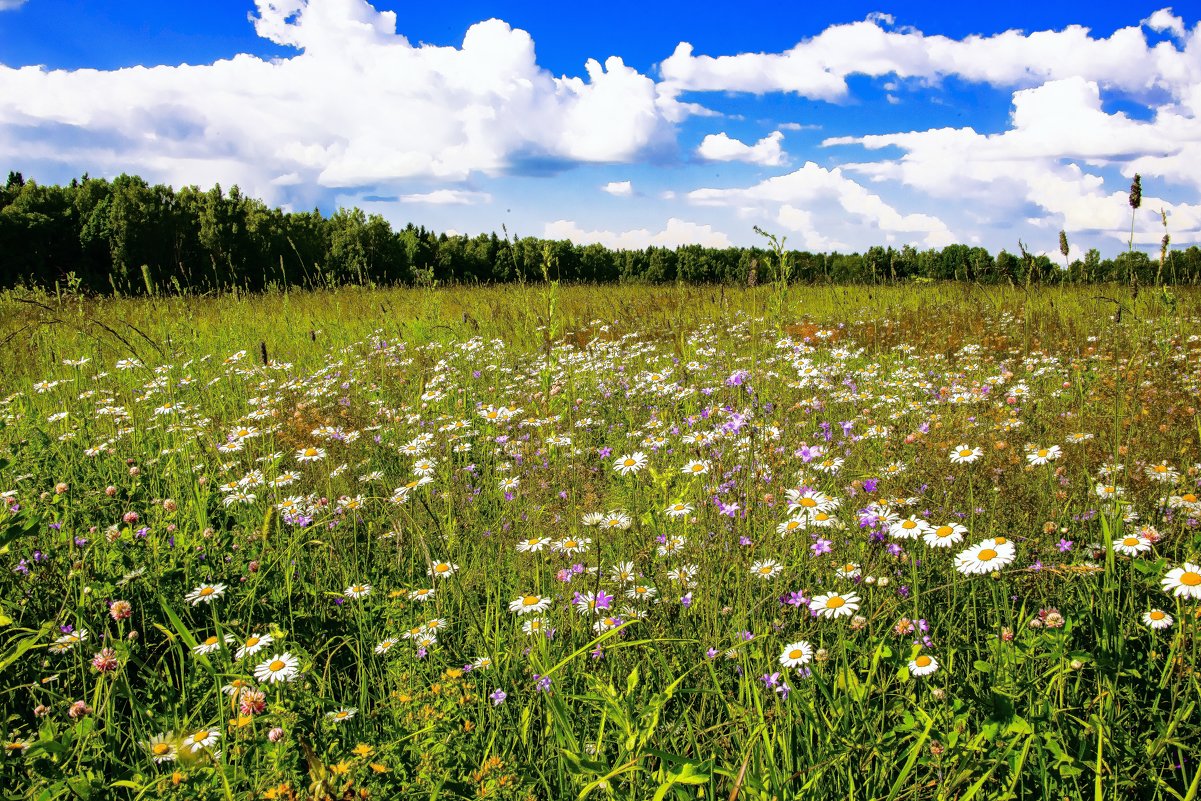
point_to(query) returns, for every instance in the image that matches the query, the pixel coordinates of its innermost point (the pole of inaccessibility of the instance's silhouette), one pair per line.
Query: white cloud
(358, 105)
(676, 232)
(619, 188)
(448, 197)
(793, 199)
(720, 147)
(800, 221)
(818, 67)
(10, 5)
(1165, 21)
(1058, 132)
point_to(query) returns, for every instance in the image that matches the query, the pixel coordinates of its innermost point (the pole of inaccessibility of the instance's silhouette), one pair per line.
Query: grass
(469, 442)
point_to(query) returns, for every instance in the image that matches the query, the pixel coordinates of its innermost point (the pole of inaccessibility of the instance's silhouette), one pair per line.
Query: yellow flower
(362, 750)
(340, 768)
(378, 768)
(453, 673)
(178, 778)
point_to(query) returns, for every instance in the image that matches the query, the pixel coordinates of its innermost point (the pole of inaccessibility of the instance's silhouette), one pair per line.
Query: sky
(838, 126)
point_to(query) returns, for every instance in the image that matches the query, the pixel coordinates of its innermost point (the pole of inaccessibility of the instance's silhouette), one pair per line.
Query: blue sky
(840, 126)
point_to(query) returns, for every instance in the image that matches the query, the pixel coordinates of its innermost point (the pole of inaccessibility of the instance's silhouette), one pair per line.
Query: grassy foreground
(541, 542)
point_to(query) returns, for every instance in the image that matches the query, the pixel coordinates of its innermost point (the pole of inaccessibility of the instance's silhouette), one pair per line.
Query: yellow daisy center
(569, 543)
(211, 640)
(1130, 542)
(944, 531)
(207, 591)
(530, 600)
(1190, 579)
(923, 661)
(1042, 452)
(795, 653)
(808, 502)
(1157, 615)
(629, 463)
(1160, 468)
(1188, 497)
(965, 453)
(441, 568)
(1000, 540)
(835, 602)
(277, 665)
(160, 749)
(986, 554)
(909, 524)
(252, 641)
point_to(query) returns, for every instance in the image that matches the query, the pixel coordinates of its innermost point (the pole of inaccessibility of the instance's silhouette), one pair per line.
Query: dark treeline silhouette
(130, 237)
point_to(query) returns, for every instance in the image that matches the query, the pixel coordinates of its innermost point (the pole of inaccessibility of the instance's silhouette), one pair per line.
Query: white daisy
(281, 667)
(529, 603)
(835, 604)
(796, 654)
(1157, 619)
(985, 557)
(1183, 582)
(923, 665)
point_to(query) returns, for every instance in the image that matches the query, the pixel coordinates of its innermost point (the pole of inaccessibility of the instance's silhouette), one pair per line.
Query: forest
(126, 236)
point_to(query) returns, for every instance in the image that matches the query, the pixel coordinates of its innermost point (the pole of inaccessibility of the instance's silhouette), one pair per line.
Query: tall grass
(161, 465)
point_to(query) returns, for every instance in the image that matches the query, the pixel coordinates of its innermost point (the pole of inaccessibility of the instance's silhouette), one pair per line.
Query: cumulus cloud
(676, 232)
(357, 105)
(793, 199)
(819, 66)
(720, 147)
(1165, 21)
(619, 188)
(1058, 133)
(9, 5)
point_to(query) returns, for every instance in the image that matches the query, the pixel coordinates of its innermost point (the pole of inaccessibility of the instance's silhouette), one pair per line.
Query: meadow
(546, 542)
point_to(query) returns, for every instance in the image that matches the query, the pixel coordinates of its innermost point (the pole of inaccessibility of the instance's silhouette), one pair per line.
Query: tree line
(130, 237)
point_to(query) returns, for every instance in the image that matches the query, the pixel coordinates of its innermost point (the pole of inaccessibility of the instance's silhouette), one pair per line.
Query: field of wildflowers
(548, 543)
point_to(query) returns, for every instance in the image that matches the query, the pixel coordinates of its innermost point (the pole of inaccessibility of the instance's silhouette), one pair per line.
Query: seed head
(1136, 192)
